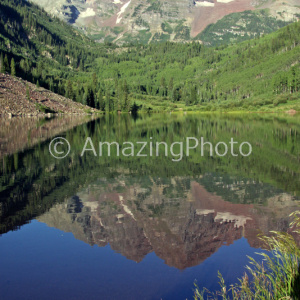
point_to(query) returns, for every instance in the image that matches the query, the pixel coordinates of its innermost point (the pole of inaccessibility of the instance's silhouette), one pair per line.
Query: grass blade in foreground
(277, 277)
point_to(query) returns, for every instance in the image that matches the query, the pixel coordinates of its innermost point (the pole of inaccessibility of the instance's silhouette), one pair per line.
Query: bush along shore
(277, 277)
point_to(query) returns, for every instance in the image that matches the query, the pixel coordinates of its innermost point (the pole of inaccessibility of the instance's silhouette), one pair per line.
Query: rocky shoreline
(21, 98)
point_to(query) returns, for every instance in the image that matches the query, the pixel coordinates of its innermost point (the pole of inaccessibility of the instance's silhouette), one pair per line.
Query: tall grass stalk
(276, 277)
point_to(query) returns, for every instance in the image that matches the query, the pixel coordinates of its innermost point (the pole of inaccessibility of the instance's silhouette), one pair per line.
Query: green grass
(277, 277)
(166, 27)
(155, 6)
(98, 36)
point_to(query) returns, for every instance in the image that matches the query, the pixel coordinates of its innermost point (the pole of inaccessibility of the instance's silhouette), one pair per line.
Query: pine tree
(84, 99)
(12, 67)
(80, 94)
(2, 68)
(175, 96)
(60, 88)
(185, 95)
(193, 95)
(126, 104)
(90, 97)
(97, 104)
(100, 101)
(24, 66)
(6, 64)
(69, 90)
(162, 86)
(171, 86)
(51, 87)
(108, 101)
(94, 82)
(81, 66)
(118, 94)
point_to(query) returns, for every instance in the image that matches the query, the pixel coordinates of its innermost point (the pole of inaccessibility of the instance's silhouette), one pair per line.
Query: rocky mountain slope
(152, 20)
(19, 97)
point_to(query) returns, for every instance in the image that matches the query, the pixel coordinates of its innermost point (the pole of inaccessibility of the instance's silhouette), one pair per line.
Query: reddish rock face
(183, 230)
(205, 15)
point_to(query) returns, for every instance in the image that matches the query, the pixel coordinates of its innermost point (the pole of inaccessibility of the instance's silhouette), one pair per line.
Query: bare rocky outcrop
(21, 98)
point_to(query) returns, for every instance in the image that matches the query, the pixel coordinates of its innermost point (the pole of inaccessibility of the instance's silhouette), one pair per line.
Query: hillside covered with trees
(258, 75)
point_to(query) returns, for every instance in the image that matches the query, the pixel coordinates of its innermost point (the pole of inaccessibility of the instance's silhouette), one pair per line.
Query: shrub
(277, 277)
(276, 102)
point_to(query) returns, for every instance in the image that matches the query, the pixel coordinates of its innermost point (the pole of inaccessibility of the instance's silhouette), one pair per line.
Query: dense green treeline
(244, 75)
(261, 74)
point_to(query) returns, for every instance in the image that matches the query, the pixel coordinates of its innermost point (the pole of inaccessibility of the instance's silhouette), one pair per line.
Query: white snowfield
(224, 1)
(205, 3)
(123, 9)
(88, 13)
(205, 211)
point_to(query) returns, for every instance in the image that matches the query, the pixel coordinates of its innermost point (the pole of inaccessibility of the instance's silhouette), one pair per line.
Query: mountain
(144, 21)
(258, 75)
(238, 27)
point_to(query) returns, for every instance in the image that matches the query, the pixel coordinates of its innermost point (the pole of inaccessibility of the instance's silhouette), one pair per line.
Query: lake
(122, 226)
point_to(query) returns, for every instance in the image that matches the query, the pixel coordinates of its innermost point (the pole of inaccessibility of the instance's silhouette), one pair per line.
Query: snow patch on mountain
(205, 3)
(224, 1)
(88, 13)
(123, 9)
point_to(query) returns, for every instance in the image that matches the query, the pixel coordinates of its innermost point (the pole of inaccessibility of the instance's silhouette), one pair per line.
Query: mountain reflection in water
(177, 218)
(187, 219)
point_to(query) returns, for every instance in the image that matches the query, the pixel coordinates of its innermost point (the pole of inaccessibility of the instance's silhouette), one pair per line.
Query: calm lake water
(116, 227)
